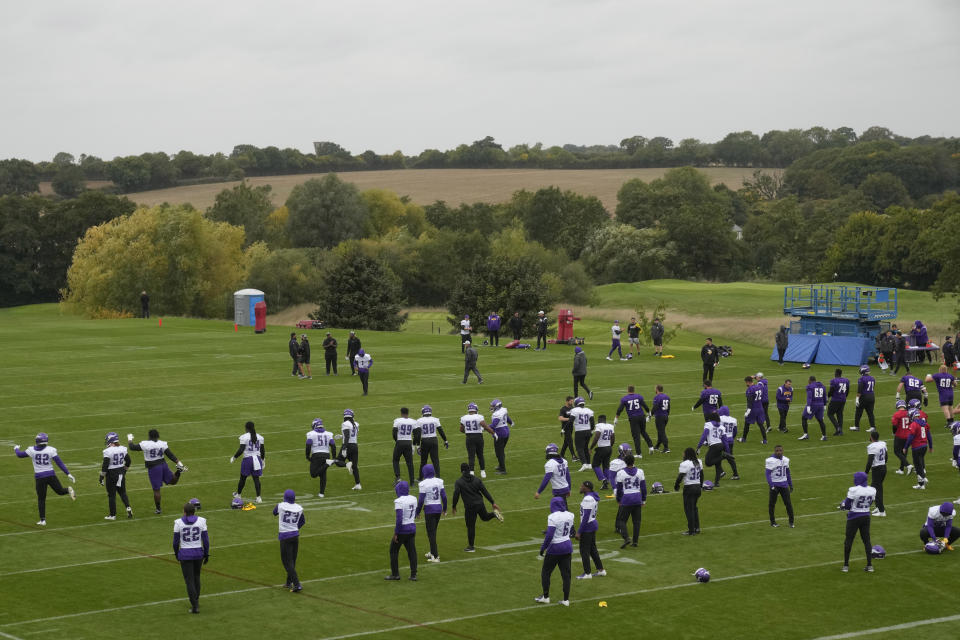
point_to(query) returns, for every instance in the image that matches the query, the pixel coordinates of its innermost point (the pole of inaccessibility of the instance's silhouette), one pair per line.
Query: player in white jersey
(191, 547)
(583, 424)
(556, 473)
(320, 451)
(602, 445)
(631, 495)
(500, 422)
(557, 550)
(587, 532)
(254, 453)
(617, 464)
(290, 519)
(44, 457)
(690, 474)
(780, 482)
(858, 502)
(432, 500)
(404, 531)
(403, 428)
(877, 468)
(159, 473)
(426, 439)
(473, 425)
(349, 452)
(113, 471)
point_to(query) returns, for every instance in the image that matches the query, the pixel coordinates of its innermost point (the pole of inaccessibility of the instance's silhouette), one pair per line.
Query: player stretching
(43, 457)
(253, 452)
(116, 462)
(159, 473)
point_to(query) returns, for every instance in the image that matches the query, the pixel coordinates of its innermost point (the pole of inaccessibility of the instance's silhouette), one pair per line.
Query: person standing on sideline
(516, 325)
(290, 519)
(473, 492)
(901, 346)
(432, 500)
(472, 425)
(637, 414)
(615, 332)
(500, 422)
(939, 524)
(428, 428)
(781, 340)
(566, 429)
(320, 451)
(780, 483)
(587, 532)
(710, 399)
(253, 452)
(158, 472)
(656, 335)
(350, 452)
(633, 337)
(949, 352)
(404, 531)
(556, 473)
(294, 348)
(191, 548)
(305, 355)
(710, 358)
(558, 549)
(144, 305)
(43, 458)
(113, 470)
(920, 339)
(816, 398)
(764, 397)
(690, 474)
(470, 363)
(866, 398)
(877, 468)
(857, 505)
(363, 362)
(583, 425)
(718, 449)
(784, 398)
(661, 415)
(945, 384)
(329, 345)
(602, 445)
(919, 442)
(887, 347)
(754, 413)
(353, 348)
(465, 330)
(839, 388)
(403, 443)
(493, 328)
(631, 492)
(580, 372)
(901, 431)
(542, 323)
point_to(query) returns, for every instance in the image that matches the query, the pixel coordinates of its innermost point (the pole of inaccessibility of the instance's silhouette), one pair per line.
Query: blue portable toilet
(243, 301)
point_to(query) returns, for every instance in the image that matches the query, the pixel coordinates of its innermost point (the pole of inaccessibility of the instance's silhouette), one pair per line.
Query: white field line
(895, 627)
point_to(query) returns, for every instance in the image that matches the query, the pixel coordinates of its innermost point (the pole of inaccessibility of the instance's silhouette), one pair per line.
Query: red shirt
(919, 435)
(901, 424)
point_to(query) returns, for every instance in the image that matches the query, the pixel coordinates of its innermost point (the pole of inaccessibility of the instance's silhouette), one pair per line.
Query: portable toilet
(243, 306)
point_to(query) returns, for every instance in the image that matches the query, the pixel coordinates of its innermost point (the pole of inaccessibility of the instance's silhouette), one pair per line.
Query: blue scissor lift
(840, 310)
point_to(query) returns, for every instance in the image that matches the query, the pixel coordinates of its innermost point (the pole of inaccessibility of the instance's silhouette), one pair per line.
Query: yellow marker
(602, 603)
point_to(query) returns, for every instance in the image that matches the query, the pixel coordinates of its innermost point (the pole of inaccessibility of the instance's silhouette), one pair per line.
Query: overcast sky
(118, 78)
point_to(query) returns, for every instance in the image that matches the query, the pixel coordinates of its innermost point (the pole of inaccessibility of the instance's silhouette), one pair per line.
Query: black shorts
(658, 342)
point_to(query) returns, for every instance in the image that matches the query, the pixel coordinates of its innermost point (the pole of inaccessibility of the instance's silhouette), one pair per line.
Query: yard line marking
(895, 627)
(7, 635)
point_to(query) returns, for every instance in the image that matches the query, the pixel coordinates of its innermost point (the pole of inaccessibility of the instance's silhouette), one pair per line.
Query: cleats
(545, 599)
(584, 576)
(845, 569)
(469, 550)
(42, 523)
(483, 474)
(600, 574)
(357, 486)
(497, 514)
(109, 517)
(804, 437)
(259, 500)
(565, 603)
(73, 494)
(868, 568)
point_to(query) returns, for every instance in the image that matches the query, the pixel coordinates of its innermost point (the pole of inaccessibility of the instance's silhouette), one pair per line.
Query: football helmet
(195, 502)
(42, 439)
(864, 370)
(112, 437)
(624, 448)
(348, 413)
(472, 406)
(702, 575)
(552, 449)
(913, 403)
(317, 424)
(901, 404)
(495, 404)
(933, 547)
(579, 401)
(657, 487)
(427, 410)
(708, 485)
(236, 503)
(878, 551)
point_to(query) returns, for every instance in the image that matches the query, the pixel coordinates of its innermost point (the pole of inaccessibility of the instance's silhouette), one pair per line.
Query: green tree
(18, 177)
(884, 190)
(324, 212)
(559, 219)
(358, 292)
(20, 244)
(740, 149)
(189, 264)
(389, 213)
(69, 181)
(623, 253)
(286, 276)
(244, 206)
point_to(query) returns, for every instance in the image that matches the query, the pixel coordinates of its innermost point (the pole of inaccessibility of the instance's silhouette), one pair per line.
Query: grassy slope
(197, 381)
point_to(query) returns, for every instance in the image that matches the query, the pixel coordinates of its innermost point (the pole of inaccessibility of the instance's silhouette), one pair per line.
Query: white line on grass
(7, 635)
(895, 627)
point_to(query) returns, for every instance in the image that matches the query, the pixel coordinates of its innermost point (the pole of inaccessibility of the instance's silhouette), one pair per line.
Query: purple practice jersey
(633, 403)
(710, 400)
(945, 383)
(762, 383)
(839, 388)
(784, 397)
(755, 398)
(866, 386)
(661, 405)
(912, 385)
(816, 395)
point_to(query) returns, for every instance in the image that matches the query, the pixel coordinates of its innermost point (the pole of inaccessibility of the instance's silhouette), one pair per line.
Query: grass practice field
(454, 186)
(198, 381)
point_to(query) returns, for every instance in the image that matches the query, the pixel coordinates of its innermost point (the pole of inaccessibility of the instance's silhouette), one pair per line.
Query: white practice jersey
(190, 534)
(464, 327)
(938, 518)
(428, 426)
(500, 417)
(557, 468)
(631, 484)
(580, 416)
(562, 523)
(616, 464)
(778, 468)
(956, 440)
(404, 427)
(42, 459)
(615, 332)
(320, 441)
(350, 431)
(251, 448)
(729, 424)
(408, 506)
(606, 434)
(715, 433)
(363, 362)
(691, 472)
(861, 498)
(878, 450)
(431, 488)
(589, 503)
(153, 451)
(471, 423)
(115, 456)
(288, 516)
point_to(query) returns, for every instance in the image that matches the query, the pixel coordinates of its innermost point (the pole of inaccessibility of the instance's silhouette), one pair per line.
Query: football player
(349, 452)
(637, 413)
(839, 388)
(583, 425)
(755, 413)
(661, 415)
(320, 451)
(472, 425)
(718, 449)
(901, 429)
(500, 422)
(43, 457)
(857, 504)
(866, 398)
(290, 520)
(113, 470)
(690, 474)
(403, 443)
(615, 332)
(816, 398)
(432, 500)
(404, 531)
(919, 442)
(631, 496)
(877, 467)
(425, 438)
(556, 473)
(557, 549)
(945, 384)
(939, 524)
(154, 449)
(253, 452)
(602, 445)
(710, 399)
(191, 548)
(780, 483)
(587, 532)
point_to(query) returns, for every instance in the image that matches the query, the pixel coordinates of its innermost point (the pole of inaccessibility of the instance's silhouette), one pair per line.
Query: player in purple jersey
(637, 411)
(866, 398)
(784, 398)
(191, 548)
(857, 504)
(765, 398)
(710, 399)
(557, 550)
(661, 415)
(159, 473)
(587, 532)
(945, 384)
(839, 388)
(913, 387)
(755, 413)
(254, 454)
(44, 457)
(816, 399)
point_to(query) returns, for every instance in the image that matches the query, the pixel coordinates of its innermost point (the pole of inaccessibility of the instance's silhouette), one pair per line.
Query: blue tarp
(800, 348)
(836, 350)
